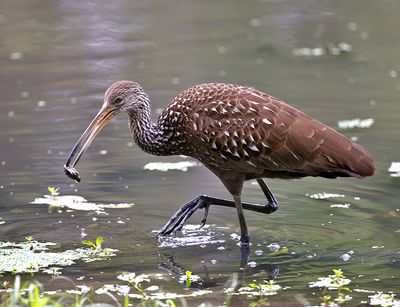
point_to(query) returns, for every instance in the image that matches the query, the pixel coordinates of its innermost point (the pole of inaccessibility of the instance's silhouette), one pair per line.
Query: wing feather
(246, 130)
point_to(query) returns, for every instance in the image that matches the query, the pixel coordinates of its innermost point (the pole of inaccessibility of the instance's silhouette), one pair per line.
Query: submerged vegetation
(337, 283)
(335, 291)
(32, 256)
(75, 202)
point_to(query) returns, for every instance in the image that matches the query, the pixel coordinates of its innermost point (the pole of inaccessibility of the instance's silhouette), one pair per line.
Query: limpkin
(238, 133)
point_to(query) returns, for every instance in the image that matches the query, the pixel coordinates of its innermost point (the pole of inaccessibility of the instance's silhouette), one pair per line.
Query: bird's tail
(347, 157)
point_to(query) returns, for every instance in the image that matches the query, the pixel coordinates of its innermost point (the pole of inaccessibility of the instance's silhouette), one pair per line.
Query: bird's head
(121, 96)
(125, 96)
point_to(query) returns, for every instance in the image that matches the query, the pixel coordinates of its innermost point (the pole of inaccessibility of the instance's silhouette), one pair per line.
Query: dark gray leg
(177, 220)
(272, 202)
(244, 233)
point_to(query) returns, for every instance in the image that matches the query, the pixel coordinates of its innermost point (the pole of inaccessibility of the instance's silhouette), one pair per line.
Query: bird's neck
(148, 135)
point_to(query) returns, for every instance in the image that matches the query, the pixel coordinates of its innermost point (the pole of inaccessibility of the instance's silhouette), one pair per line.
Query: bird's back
(235, 128)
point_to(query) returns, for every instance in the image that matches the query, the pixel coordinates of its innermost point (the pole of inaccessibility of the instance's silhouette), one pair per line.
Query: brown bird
(238, 133)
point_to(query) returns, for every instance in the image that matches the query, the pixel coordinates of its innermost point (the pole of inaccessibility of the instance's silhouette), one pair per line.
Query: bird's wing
(253, 132)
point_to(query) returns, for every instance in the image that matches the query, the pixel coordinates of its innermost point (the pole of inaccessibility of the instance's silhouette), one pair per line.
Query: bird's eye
(118, 100)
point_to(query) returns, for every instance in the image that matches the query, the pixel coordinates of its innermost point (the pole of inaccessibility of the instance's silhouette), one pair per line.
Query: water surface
(58, 57)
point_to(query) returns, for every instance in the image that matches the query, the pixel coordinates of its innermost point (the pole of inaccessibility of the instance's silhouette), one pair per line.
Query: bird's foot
(180, 217)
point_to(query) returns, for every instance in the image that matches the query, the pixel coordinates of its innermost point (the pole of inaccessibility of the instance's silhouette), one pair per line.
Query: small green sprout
(53, 191)
(326, 299)
(337, 282)
(267, 287)
(96, 246)
(188, 281)
(28, 239)
(254, 286)
(6, 284)
(338, 273)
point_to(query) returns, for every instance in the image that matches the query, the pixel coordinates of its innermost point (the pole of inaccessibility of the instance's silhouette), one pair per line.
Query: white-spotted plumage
(245, 131)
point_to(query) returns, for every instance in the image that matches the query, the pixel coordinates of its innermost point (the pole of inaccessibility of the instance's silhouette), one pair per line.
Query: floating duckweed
(168, 166)
(41, 103)
(192, 235)
(382, 299)
(153, 288)
(132, 278)
(324, 195)
(55, 271)
(81, 289)
(355, 123)
(120, 289)
(273, 246)
(323, 50)
(268, 287)
(345, 206)
(16, 55)
(75, 202)
(394, 169)
(332, 282)
(337, 282)
(34, 256)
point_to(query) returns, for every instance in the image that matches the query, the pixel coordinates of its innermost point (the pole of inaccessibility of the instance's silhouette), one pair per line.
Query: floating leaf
(35, 256)
(99, 241)
(89, 243)
(282, 251)
(53, 191)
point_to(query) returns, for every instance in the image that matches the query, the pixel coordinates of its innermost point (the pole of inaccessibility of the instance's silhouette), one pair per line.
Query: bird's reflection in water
(191, 236)
(167, 263)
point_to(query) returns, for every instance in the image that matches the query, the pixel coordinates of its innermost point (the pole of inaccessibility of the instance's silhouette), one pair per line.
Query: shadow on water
(57, 59)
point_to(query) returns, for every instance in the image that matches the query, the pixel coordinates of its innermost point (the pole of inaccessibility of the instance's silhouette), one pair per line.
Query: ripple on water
(193, 235)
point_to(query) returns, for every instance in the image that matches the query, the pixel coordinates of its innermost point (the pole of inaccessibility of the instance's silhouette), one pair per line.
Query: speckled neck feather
(152, 137)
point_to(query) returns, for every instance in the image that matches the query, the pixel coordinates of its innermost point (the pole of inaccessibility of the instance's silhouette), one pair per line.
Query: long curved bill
(97, 124)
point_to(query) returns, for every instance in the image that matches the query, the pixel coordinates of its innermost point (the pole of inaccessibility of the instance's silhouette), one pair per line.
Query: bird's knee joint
(273, 207)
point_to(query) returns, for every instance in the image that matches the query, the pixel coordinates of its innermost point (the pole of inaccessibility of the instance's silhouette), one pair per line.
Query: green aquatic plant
(135, 281)
(5, 284)
(335, 282)
(31, 294)
(188, 278)
(281, 251)
(75, 202)
(34, 256)
(188, 281)
(28, 294)
(95, 246)
(54, 271)
(385, 300)
(28, 239)
(258, 292)
(53, 191)
(266, 287)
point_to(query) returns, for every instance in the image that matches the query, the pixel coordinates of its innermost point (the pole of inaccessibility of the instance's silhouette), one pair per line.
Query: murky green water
(58, 57)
